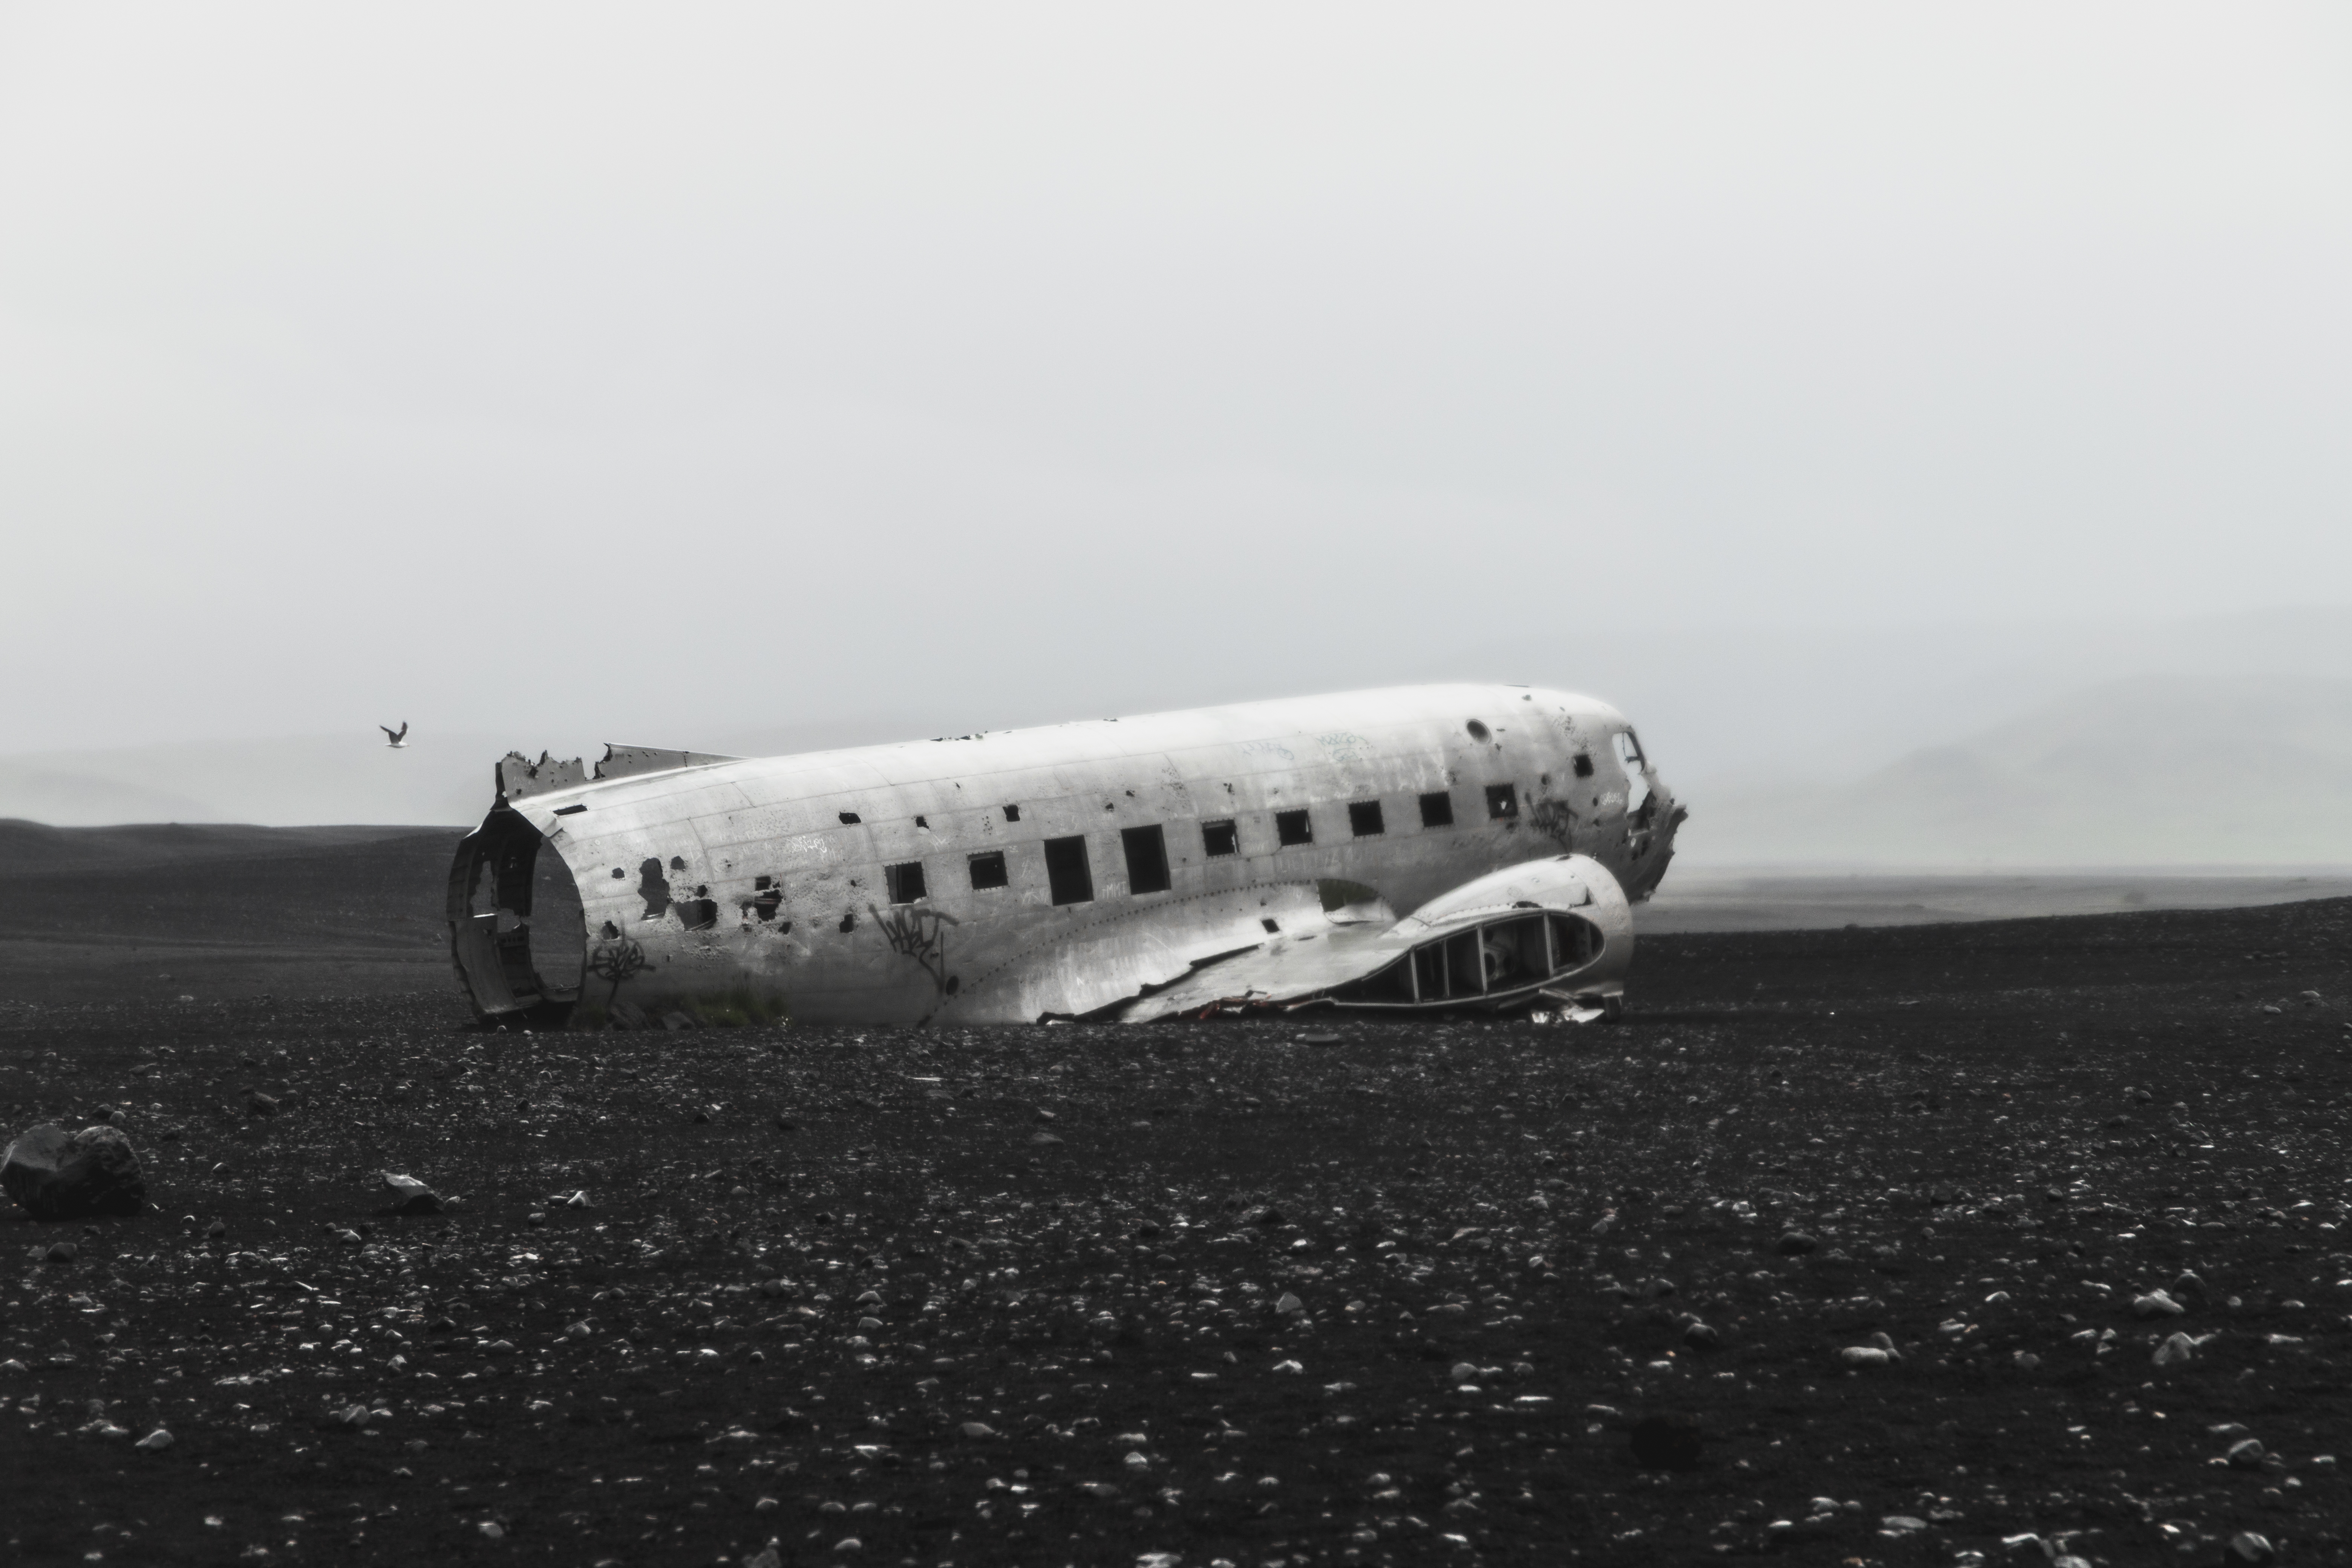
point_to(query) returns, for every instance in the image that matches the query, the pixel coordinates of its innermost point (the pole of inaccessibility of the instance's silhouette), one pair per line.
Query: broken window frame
(905, 881)
(1294, 828)
(1146, 849)
(1223, 829)
(1365, 819)
(1001, 874)
(1437, 808)
(1452, 970)
(1502, 803)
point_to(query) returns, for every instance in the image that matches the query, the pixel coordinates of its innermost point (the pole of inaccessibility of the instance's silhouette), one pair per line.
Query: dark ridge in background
(158, 912)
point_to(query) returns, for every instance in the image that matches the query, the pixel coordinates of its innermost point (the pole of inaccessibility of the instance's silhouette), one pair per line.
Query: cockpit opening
(517, 929)
(1488, 964)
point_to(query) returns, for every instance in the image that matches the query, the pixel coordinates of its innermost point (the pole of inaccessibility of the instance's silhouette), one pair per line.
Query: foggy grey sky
(579, 372)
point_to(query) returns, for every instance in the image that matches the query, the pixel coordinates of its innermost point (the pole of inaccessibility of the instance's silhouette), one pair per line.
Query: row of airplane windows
(1070, 873)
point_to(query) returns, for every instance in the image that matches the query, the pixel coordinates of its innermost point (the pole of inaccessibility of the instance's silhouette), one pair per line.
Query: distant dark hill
(2150, 771)
(37, 845)
(89, 913)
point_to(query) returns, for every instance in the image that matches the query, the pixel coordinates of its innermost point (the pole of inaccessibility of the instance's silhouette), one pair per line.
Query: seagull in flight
(396, 739)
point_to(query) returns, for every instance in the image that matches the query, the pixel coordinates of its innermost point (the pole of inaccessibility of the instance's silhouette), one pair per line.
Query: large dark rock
(55, 1175)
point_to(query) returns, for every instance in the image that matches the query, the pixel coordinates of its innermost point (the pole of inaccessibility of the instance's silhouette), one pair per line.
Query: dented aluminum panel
(1081, 870)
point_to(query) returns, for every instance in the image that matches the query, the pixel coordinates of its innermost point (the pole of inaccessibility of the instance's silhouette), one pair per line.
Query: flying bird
(396, 737)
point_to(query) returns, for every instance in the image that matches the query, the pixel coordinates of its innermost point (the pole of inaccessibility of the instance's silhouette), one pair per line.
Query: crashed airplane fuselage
(1418, 848)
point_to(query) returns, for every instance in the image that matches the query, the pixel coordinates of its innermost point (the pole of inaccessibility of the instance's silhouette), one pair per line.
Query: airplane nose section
(1654, 849)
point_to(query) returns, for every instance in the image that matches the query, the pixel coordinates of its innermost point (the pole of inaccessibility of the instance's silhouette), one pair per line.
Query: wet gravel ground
(1086, 1295)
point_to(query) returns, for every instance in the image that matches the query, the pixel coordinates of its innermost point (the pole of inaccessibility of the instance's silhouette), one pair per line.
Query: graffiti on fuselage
(919, 931)
(1554, 821)
(615, 962)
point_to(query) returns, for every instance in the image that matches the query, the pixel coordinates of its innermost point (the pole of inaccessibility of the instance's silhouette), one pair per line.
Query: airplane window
(1429, 972)
(1437, 809)
(1502, 957)
(1067, 871)
(1502, 801)
(1477, 731)
(1364, 819)
(1293, 827)
(905, 881)
(1221, 837)
(1465, 970)
(1392, 984)
(1147, 860)
(1575, 941)
(988, 870)
(1514, 953)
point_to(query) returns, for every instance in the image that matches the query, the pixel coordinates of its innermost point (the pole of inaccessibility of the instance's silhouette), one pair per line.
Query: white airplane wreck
(1421, 847)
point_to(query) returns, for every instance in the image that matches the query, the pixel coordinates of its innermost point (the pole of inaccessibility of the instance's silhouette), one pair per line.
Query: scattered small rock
(410, 1195)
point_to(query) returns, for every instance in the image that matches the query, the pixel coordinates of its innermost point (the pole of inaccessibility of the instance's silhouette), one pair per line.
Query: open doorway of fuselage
(517, 929)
